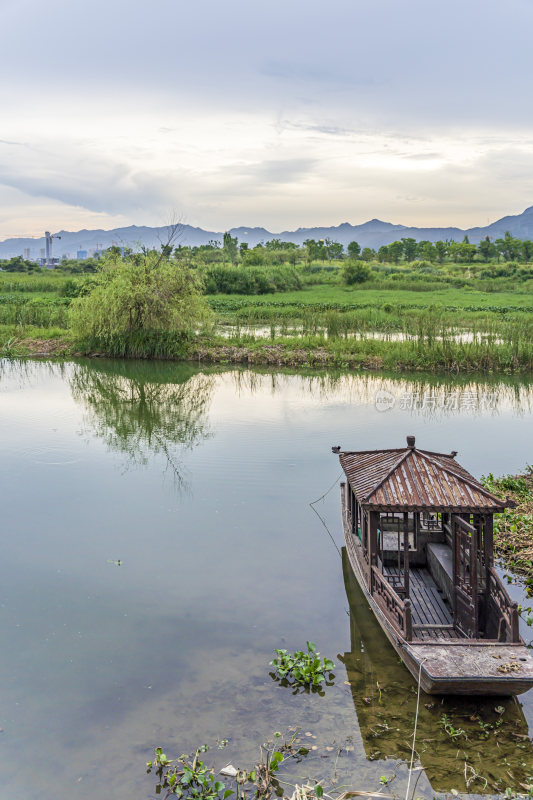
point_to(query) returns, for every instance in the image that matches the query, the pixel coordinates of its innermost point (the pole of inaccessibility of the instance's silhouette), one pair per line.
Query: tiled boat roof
(411, 479)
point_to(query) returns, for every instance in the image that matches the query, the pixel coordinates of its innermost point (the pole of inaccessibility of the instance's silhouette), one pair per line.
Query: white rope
(414, 733)
(320, 517)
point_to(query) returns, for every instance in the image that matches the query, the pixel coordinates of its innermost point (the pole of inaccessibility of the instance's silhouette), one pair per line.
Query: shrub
(355, 272)
(250, 280)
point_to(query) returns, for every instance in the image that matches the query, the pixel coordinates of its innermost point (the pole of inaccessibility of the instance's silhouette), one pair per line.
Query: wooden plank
(439, 611)
(432, 627)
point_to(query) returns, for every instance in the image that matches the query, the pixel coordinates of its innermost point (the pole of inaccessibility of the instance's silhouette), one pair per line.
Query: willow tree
(144, 304)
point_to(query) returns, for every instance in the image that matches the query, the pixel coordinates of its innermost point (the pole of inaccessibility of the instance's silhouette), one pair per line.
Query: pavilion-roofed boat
(419, 536)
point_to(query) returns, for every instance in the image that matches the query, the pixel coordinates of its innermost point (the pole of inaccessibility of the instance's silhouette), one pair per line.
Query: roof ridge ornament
(411, 442)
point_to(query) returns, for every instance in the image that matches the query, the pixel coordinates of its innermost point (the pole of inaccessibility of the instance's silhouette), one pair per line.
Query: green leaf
(311, 646)
(319, 791)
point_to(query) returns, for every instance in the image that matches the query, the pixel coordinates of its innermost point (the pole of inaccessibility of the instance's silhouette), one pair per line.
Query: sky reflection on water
(199, 481)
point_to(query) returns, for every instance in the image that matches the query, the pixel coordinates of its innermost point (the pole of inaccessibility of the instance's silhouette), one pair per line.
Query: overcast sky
(280, 114)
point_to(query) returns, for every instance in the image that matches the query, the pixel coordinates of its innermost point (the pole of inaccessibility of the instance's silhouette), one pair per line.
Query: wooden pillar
(406, 551)
(455, 574)
(474, 577)
(408, 620)
(514, 633)
(347, 493)
(373, 520)
(488, 541)
(365, 535)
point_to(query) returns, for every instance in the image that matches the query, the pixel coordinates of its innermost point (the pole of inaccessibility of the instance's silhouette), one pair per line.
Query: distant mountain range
(370, 234)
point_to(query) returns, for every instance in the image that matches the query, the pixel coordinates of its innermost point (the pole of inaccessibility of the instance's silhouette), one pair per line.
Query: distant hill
(373, 233)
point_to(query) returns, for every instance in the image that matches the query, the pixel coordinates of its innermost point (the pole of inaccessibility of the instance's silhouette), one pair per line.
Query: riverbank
(416, 355)
(513, 530)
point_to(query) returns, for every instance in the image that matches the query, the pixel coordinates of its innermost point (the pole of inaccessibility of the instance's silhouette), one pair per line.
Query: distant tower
(49, 236)
(27, 253)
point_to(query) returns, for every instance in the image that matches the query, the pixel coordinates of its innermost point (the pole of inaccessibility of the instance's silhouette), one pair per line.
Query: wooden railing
(505, 607)
(397, 611)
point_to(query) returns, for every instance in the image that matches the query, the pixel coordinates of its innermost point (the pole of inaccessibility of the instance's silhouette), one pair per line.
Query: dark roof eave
(496, 509)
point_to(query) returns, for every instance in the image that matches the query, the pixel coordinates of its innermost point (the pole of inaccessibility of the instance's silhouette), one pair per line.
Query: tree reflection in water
(145, 409)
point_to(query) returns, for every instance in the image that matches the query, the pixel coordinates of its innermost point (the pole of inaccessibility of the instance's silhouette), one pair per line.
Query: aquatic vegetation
(513, 530)
(186, 778)
(304, 668)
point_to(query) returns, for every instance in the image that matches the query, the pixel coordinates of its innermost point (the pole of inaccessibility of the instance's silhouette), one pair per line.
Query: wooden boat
(419, 535)
(386, 705)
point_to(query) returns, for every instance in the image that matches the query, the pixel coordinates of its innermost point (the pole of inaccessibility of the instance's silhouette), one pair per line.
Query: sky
(278, 114)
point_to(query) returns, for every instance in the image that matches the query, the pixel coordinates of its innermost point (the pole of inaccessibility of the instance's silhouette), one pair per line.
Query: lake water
(158, 544)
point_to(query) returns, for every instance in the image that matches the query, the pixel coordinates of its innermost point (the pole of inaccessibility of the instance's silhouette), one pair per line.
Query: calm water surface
(199, 484)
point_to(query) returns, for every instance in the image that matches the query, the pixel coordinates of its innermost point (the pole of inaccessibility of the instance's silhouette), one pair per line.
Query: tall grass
(429, 354)
(50, 282)
(43, 312)
(154, 344)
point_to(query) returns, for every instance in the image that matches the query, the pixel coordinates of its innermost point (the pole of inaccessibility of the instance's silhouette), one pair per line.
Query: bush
(355, 272)
(250, 280)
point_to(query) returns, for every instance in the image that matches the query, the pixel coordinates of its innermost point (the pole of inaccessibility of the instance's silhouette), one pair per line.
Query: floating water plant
(305, 669)
(186, 778)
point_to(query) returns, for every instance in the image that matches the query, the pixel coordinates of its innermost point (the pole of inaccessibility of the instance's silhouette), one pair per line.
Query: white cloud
(268, 114)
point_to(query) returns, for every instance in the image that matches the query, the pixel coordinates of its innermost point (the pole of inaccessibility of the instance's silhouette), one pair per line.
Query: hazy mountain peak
(373, 233)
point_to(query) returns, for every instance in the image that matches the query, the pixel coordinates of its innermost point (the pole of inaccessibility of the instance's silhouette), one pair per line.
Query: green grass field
(327, 322)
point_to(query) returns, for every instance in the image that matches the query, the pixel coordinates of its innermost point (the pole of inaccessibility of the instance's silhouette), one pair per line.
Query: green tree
(315, 250)
(509, 247)
(441, 250)
(15, 264)
(486, 249)
(462, 251)
(383, 253)
(466, 250)
(409, 248)
(230, 246)
(333, 249)
(395, 251)
(527, 250)
(354, 250)
(426, 251)
(133, 305)
(368, 254)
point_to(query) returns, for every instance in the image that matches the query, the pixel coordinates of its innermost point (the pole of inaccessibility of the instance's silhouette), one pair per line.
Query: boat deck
(432, 618)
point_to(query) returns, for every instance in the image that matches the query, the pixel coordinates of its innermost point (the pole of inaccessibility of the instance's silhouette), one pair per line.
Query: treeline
(277, 253)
